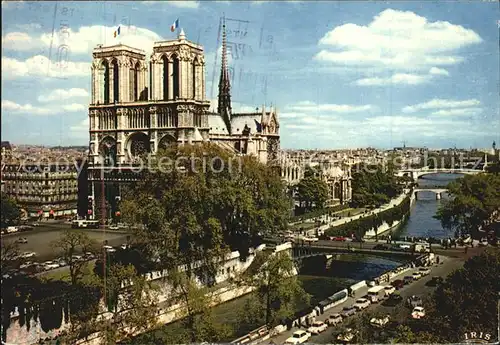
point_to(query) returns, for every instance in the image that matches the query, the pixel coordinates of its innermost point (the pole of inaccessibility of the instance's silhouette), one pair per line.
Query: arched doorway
(107, 150)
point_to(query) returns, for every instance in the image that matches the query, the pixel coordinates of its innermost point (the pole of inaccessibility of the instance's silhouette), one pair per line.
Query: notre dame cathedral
(140, 105)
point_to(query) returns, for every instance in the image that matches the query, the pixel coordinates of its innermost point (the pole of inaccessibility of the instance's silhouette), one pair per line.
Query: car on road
(415, 301)
(483, 242)
(22, 240)
(114, 227)
(424, 271)
(380, 247)
(393, 300)
(317, 327)
(49, 265)
(380, 322)
(348, 311)
(405, 246)
(309, 239)
(417, 275)
(408, 279)
(35, 224)
(389, 290)
(298, 337)
(334, 319)
(398, 284)
(418, 313)
(361, 304)
(27, 255)
(339, 239)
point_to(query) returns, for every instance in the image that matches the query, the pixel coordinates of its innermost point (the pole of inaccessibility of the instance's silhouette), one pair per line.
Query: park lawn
(63, 274)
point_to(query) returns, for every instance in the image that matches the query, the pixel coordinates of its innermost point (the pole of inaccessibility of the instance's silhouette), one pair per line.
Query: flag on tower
(117, 32)
(175, 25)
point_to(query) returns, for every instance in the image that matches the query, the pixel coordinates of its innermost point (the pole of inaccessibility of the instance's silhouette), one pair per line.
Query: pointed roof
(182, 35)
(224, 106)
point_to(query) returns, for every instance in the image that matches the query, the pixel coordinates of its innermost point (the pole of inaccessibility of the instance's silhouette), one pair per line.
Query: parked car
(416, 275)
(398, 284)
(380, 247)
(114, 227)
(339, 239)
(348, 311)
(361, 304)
(393, 300)
(317, 327)
(298, 337)
(483, 242)
(27, 255)
(22, 240)
(334, 320)
(380, 322)
(415, 301)
(405, 246)
(418, 313)
(424, 271)
(408, 279)
(389, 290)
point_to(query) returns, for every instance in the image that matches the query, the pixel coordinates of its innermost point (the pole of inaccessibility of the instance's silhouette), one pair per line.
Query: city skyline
(341, 74)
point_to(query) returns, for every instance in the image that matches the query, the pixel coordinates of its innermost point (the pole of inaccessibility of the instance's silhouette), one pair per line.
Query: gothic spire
(224, 108)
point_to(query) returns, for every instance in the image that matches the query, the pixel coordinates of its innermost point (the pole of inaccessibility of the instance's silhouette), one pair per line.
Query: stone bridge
(438, 191)
(300, 252)
(416, 173)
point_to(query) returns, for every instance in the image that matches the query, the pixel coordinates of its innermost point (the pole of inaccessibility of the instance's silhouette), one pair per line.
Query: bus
(82, 223)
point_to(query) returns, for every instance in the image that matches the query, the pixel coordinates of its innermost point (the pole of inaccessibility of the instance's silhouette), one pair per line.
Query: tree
(278, 289)
(70, 243)
(473, 206)
(10, 211)
(10, 255)
(312, 192)
(132, 304)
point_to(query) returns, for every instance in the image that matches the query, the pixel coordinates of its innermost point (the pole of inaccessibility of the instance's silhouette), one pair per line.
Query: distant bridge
(324, 249)
(437, 191)
(416, 173)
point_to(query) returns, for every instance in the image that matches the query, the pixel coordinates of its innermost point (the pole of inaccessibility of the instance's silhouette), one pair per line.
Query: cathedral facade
(141, 104)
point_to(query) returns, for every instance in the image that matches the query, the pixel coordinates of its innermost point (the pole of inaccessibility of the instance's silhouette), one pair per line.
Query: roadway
(446, 266)
(40, 239)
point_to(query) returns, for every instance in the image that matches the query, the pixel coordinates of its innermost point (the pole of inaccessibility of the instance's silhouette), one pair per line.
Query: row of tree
(11, 211)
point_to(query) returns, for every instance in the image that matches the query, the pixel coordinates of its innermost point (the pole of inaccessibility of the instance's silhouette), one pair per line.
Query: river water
(421, 222)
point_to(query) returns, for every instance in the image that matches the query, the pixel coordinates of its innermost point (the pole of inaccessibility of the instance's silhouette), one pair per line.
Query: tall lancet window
(132, 82)
(115, 81)
(165, 78)
(175, 76)
(195, 61)
(136, 81)
(150, 80)
(104, 82)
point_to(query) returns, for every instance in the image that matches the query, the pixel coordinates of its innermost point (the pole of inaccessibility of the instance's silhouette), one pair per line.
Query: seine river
(421, 222)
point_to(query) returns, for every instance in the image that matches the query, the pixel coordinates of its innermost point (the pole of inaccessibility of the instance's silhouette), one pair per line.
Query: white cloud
(307, 106)
(12, 107)
(397, 39)
(458, 112)
(438, 71)
(178, 4)
(29, 27)
(395, 79)
(82, 41)
(60, 94)
(40, 66)
(441, 104)
(81, 130)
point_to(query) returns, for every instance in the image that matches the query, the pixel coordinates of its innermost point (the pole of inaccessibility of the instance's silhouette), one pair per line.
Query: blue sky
(341, 74)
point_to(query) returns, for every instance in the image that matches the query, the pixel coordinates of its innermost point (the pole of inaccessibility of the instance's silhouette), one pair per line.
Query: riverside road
(419, 287)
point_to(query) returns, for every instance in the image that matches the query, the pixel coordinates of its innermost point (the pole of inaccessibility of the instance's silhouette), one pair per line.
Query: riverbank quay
(419, 287)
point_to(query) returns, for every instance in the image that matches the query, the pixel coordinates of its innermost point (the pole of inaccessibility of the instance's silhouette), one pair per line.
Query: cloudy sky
(340, 74)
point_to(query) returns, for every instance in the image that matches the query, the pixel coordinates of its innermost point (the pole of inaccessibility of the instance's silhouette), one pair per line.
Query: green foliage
(199, 214)
(312, 192)
(70, 243)
(474, 204)
(373, 185)
(361, 225)
(10, 212)
(278, 289)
